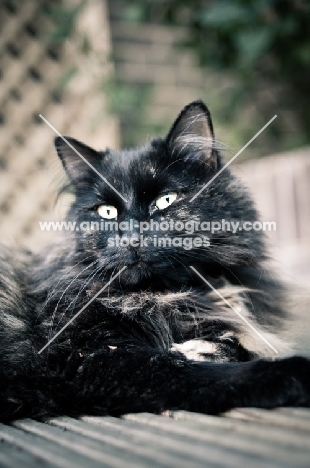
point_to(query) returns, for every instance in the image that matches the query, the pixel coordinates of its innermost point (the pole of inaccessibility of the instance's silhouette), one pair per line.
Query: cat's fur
(157, 338)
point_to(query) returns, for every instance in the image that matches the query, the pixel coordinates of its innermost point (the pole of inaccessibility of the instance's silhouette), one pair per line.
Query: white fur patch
(12, 322)
(195, 349)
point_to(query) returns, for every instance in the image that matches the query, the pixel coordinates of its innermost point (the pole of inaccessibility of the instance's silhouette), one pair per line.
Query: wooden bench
(241, 438)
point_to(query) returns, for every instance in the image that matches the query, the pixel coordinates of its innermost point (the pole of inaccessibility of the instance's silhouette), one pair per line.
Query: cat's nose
(131, 241)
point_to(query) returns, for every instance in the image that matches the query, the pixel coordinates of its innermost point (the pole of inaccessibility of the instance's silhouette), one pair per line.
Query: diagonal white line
(82, 157)
(232, 159)
(235, 310)
(81, 310)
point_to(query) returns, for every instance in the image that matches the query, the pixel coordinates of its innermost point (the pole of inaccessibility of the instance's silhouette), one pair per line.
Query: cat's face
(142, 216)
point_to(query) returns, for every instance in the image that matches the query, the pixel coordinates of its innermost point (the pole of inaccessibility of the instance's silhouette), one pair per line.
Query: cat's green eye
(165, 200)
(107, 211)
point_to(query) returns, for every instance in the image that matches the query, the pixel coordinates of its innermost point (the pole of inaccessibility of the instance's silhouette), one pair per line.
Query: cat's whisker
(169, 165)
(112, 274)
(66, 289)
(66, 272)
(82, 288)
(183, 264)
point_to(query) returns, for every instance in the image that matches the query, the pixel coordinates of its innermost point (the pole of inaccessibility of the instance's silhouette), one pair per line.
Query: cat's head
(153, 191)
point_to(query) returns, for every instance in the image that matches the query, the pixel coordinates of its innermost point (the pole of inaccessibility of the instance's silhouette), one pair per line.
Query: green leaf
(134, 13)
(253, 44)
(303, 54)
(224, 13)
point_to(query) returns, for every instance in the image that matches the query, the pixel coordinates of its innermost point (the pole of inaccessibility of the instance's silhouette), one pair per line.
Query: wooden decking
(241, 438)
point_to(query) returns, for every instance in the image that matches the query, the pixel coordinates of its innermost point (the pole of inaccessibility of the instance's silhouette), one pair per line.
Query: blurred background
(114, 73)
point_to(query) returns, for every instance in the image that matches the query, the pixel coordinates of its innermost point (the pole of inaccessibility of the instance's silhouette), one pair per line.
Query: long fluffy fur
(158, 338)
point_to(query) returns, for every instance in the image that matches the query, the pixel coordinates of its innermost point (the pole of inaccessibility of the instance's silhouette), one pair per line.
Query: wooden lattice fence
(35, 74)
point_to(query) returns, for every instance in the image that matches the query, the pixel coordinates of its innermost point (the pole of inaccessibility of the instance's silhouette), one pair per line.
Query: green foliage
(261, 47)
(118, 98)
(130, 102)
(263, 44)
(64, 18)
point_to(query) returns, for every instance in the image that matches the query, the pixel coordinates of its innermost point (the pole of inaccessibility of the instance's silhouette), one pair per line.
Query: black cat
(157, 337)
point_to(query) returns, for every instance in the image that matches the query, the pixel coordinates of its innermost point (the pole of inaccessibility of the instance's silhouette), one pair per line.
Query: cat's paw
(288, 380)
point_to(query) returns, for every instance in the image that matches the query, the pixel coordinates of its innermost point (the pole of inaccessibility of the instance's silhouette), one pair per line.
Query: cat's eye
(165, 200)
(107, 211)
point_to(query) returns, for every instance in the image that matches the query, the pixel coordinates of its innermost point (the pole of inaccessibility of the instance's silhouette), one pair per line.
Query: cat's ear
(77, 158)
(192, 134)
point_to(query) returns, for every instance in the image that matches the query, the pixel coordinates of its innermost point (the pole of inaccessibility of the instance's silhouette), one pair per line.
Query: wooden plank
(285, 200)
(259, 181)
(146, 33)
(302, 413)
(206, 446)
(255, 418)
(105, 454)
(147, 73)
(302, 205)
(44, 449)
(140, 440)
(124, 437)
(278, 447)
(13, 457)
(273, 418)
